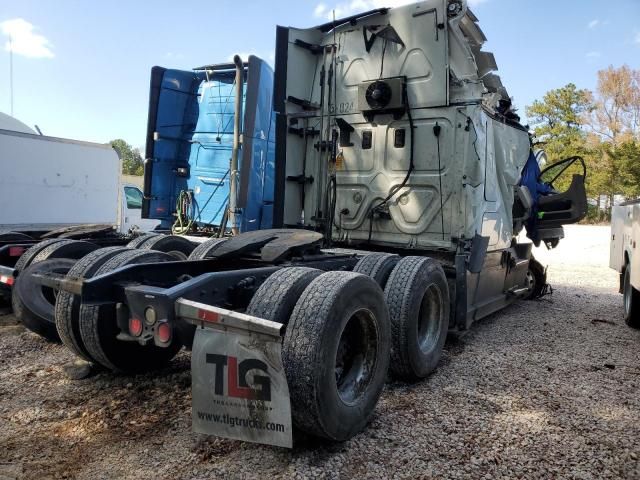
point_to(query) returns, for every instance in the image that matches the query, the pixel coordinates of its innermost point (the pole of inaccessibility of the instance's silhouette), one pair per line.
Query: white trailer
(625, 231)
(49, 183)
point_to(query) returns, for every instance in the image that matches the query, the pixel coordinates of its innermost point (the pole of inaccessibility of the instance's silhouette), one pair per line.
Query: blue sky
(81, 69)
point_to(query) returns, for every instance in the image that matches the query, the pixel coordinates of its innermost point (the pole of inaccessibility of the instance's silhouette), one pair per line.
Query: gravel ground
(543, 389)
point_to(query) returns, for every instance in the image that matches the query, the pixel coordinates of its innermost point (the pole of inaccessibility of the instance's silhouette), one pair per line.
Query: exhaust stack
(237, 143)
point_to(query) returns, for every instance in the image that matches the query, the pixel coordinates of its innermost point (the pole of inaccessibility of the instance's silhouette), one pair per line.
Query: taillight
(164, 332)
(135, 327)
(16, 251)
(6, 279)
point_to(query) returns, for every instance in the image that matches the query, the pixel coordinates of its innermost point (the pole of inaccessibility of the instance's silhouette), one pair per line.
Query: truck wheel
(277, 296)
(178, 247)
(377, 266)
(99, 329)
(536, 279)
(205, 249)
(67, 310)
(136, 242)
(73, 249)
(418, 298)
(33, 303)
(14, 237)
(336, 354)
(631, 298)
(25, 259)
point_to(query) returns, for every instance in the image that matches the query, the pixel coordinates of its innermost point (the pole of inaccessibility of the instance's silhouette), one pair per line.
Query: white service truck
(625, 228)
(49, 183)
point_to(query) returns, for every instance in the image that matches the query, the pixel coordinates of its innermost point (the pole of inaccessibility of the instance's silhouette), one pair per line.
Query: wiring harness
(184, 213)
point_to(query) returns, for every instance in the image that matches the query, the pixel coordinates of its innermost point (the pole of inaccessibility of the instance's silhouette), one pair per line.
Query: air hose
(184, 213)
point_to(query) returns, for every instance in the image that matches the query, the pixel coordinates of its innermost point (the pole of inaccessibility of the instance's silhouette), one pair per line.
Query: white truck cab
(131, 211)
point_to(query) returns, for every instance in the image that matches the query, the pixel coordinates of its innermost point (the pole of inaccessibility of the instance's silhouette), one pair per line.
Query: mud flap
(239, 387)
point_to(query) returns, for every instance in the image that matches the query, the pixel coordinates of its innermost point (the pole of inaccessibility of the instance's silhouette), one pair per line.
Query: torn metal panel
(486, 63)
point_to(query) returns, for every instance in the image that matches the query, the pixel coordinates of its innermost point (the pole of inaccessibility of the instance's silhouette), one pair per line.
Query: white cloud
(344, 9)
(593, 54)
(593, 23)
(320, 10)
(24, 41)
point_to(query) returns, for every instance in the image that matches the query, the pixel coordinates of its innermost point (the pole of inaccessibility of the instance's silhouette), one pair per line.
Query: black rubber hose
(409, 171)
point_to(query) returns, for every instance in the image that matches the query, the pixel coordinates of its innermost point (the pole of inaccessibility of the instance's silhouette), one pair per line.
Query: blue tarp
(531, 179)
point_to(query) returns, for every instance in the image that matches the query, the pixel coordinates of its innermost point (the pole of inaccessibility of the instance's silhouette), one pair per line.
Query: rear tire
(278, 295)
(536, 279)
(138, 241)
(631, 300)
(99, 329)
(15, 237)
(33, 304)
(336, 354)
(178, 247)
(417, 294)
(377, 266)
(74, 249)
(67, 310)
(205, 249)
(25, 259)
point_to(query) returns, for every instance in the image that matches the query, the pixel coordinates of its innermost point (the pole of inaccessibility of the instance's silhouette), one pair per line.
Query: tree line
(132, 163)
(603, 127)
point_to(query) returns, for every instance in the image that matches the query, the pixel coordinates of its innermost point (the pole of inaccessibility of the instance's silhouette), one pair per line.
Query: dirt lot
(544, 389)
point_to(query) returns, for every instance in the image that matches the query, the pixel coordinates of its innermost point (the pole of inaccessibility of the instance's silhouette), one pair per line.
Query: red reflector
(164, 332)
(6, 280)
(208, 316)
(135, 327)
(16, 251)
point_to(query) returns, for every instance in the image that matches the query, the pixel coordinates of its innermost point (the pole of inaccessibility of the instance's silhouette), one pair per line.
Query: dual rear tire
(91, 331)
(336, 346)
(34, 304)
(344, 332)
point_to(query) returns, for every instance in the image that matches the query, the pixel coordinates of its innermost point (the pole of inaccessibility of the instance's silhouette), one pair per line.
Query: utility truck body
(625, 232)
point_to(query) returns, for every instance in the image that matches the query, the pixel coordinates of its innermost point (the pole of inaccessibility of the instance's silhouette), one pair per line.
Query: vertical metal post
(237, 143)
(11, 71)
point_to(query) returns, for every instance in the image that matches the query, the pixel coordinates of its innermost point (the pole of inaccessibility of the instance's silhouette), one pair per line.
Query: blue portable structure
(190, 140)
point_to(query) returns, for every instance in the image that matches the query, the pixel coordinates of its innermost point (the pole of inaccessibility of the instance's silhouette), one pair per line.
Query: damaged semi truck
(400, 188)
